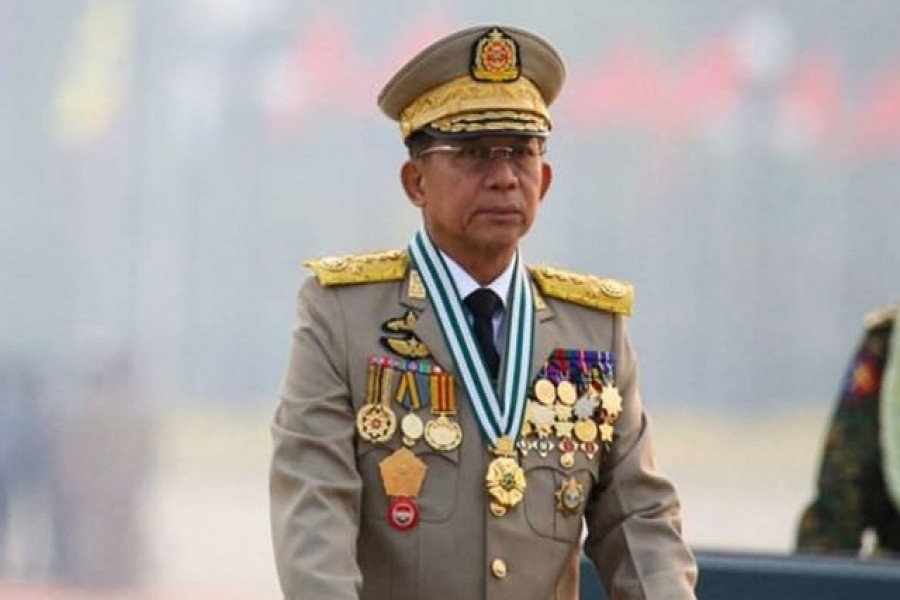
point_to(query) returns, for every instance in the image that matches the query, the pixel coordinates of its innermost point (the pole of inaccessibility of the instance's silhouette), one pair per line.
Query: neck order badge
(500, 422)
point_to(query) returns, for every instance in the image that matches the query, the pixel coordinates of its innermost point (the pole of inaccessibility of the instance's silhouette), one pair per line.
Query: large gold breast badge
(570, 496)
(505, 479)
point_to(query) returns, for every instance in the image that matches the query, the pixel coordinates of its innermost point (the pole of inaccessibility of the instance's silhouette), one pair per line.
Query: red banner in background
(631, 86)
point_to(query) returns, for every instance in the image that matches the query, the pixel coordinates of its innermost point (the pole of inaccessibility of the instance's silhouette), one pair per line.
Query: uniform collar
(465, 284)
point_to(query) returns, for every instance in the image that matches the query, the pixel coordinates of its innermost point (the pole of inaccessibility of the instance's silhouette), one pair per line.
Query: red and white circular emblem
(403, 513)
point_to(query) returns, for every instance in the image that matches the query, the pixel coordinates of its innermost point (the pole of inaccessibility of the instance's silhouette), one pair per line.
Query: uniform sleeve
(633, 518)
(315, 487)
(835, 519)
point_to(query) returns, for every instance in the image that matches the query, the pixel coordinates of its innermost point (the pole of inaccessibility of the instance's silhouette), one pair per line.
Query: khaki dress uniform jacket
(329, 510)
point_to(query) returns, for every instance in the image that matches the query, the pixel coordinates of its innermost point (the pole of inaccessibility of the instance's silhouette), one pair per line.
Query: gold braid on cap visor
(464, 105)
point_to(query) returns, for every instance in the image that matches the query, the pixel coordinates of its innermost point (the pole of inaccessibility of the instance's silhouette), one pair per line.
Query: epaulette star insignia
(360, 268)
(587, 290)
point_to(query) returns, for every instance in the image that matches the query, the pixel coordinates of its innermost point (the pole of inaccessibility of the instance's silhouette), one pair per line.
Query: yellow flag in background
(94, 82)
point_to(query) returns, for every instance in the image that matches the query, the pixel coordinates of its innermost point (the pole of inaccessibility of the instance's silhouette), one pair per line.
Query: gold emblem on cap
(495, 57)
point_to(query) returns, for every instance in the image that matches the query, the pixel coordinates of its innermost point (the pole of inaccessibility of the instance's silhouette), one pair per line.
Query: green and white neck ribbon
(890, 417)
(495, 419)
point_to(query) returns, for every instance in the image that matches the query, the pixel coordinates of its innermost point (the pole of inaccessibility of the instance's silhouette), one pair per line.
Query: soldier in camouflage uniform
(854, 495)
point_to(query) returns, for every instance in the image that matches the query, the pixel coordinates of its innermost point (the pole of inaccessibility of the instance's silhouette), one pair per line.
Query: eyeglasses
(478, 156)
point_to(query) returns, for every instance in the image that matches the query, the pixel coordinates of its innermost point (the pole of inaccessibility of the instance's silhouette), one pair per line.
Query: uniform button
(498, 568)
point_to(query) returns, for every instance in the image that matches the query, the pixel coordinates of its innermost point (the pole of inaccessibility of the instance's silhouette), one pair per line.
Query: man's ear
(411, 179)
(546, 178)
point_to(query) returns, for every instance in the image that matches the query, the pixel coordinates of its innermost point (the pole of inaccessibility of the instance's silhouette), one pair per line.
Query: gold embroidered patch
(360, 268)
(399, 337)
(585, 290)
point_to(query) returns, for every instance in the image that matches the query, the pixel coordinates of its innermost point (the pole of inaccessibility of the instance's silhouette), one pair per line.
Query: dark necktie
(483, 303)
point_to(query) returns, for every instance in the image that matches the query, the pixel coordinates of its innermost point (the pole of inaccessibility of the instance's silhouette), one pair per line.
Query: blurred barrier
(737, 576)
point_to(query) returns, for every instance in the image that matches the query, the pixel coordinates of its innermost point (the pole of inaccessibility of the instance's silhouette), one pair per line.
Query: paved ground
(743, 480)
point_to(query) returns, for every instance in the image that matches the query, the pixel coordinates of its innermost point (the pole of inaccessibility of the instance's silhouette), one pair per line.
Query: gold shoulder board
(587, 290)
(880, 318)
(360, 268)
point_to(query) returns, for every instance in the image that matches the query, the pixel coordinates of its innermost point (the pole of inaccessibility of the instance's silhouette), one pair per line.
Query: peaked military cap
(480, 80)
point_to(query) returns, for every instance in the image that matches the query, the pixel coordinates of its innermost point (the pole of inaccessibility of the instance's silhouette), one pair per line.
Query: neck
(483, 268)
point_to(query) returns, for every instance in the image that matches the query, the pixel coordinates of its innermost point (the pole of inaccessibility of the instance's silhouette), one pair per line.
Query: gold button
(498, 568)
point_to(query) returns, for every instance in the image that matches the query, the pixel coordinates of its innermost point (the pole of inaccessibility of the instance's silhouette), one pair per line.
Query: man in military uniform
(859, 479)
(451, 417)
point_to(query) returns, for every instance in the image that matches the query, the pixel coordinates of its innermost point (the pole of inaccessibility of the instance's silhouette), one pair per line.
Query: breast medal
(375, 421)
(505, 478)
(441, 433)
(407, 396)
(569, 496)
(402, 475)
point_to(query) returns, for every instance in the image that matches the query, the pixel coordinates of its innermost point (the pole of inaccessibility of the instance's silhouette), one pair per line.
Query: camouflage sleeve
(836, 518)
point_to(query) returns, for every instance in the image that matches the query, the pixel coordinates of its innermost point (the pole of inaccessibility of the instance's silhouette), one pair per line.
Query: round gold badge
(412, 427)
(586, 431)
(376, 423)
(545, 391)
(566, 392)
(442, 434)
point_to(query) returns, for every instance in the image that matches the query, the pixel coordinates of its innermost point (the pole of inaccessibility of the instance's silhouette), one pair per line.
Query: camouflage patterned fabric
(851, 496)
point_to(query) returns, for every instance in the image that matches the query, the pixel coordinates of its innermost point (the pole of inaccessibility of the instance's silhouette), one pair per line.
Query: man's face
(479, 196)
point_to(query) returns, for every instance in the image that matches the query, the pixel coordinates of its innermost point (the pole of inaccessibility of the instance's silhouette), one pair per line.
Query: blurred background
(166, 165)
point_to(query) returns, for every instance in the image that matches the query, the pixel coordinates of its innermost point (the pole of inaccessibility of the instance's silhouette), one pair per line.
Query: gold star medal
(505, 478)
(606, 432)
(611, 401)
